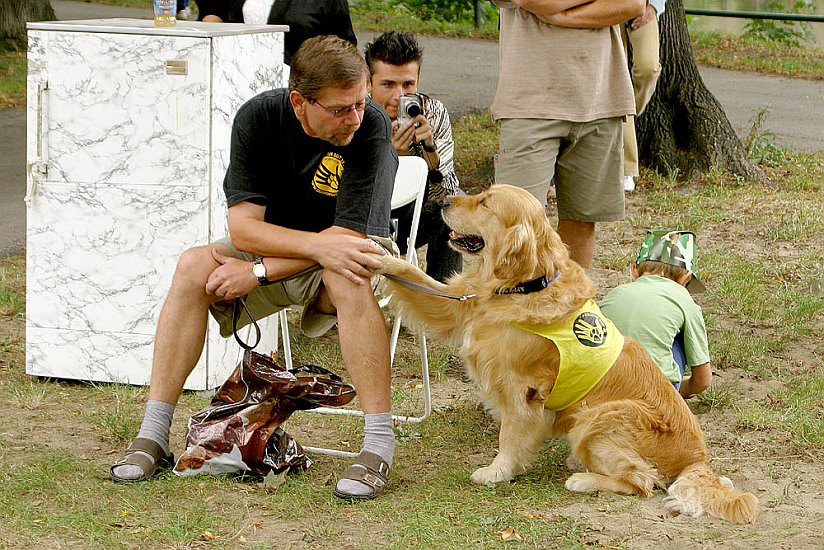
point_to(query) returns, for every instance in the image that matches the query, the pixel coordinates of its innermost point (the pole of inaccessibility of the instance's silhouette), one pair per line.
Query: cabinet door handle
(39, 166)
(43, 127)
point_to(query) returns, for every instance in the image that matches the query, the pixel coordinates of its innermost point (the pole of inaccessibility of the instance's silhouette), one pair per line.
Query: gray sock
(156, 424)
(378, 438)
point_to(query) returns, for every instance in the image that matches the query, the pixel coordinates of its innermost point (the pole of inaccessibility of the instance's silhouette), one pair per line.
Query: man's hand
(417, 130)
(232, 277)
(347, 255)
(640, 21)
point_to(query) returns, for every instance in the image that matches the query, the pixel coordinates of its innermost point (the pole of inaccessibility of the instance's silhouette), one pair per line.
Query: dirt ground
(788, 483)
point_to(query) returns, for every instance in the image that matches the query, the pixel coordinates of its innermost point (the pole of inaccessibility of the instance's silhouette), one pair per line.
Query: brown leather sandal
(146, 455)
(370, 469)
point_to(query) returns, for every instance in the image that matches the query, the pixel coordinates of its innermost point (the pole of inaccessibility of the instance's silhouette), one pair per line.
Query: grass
(741, 53)
(59, 436)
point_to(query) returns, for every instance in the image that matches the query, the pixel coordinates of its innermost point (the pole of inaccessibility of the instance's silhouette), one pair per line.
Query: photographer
(420, 127)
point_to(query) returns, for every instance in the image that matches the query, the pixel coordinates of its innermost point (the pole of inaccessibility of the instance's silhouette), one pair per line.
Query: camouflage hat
(676, 248)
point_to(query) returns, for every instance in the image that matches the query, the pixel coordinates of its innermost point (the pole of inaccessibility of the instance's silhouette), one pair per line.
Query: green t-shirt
(653, 310)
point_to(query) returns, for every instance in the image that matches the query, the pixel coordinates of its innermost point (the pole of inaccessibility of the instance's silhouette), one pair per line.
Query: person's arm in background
(543, 7)
(653, 10)
(442, 134)
(595, 15)
(699, 380)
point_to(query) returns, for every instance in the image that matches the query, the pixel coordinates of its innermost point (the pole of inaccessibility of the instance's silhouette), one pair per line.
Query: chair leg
(284, 337)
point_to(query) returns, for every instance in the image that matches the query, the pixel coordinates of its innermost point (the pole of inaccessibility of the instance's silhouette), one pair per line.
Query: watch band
(429, 149)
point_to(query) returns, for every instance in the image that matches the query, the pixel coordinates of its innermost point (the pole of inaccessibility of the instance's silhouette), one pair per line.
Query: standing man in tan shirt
(563, 92)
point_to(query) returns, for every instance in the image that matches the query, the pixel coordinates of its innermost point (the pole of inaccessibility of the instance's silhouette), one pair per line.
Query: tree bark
(684, 126)
(15, 13)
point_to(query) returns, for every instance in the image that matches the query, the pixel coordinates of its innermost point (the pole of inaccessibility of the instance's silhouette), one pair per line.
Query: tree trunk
(684, 126)
(15, 13)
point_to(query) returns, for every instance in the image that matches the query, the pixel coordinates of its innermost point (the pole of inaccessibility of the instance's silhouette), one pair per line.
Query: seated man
(394, 60)
(310, 175)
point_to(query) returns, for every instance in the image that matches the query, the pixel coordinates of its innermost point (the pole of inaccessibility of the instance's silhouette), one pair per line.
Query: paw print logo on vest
(328, 175)
(590, 329)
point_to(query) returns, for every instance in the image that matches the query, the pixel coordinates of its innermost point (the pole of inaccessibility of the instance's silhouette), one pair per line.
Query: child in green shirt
(657, 310)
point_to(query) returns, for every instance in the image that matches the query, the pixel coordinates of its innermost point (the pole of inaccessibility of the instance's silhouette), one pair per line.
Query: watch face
(259, 270)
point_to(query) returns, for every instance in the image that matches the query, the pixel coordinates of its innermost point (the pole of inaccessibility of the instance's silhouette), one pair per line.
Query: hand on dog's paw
(490, 474)
(581, 483)
(381, 258)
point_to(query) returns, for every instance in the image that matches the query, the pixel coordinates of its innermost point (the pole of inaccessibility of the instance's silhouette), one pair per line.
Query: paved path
(462, 73)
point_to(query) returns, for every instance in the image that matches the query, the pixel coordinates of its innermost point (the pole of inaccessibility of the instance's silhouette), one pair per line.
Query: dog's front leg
(524, 428)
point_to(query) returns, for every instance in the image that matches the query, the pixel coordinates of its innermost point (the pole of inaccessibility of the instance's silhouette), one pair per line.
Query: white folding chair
(410, 185)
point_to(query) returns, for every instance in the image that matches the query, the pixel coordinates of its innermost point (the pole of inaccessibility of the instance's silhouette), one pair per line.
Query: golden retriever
(630, 434)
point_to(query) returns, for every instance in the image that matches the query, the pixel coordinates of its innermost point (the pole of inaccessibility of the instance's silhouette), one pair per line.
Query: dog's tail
(698, 489)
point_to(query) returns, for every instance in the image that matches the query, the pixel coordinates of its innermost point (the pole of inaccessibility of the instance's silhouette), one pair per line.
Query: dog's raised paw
(490, 474)
(581, 483)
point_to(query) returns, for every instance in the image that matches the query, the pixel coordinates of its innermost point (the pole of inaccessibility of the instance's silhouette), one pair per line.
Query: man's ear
(684, 279)
(633, 269)
(298, 101)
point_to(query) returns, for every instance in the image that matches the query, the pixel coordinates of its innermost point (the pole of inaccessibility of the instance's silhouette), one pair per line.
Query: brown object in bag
(240, 429)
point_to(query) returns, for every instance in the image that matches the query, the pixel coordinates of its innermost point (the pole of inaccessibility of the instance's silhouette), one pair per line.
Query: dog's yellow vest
(589, 344)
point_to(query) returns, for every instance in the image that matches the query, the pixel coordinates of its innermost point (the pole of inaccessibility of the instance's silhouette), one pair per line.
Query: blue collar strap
(530, 286)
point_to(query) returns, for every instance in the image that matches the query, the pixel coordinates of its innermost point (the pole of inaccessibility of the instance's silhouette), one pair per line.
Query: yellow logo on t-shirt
(327, 177)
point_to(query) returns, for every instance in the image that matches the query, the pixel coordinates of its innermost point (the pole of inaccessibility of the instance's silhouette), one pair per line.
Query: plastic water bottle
(165, 12)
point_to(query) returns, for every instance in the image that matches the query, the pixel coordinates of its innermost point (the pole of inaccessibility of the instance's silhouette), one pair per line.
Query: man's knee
(340, 291)
(646, 73)
(194, 266)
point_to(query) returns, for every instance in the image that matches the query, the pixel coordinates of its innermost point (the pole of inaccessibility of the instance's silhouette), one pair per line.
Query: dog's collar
(530, 286)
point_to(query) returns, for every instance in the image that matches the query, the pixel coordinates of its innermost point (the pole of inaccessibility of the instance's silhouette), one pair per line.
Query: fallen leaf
(207, 535)
(510, 534)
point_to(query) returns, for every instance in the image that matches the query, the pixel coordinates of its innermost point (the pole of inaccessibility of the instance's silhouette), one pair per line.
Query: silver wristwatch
(259, 270)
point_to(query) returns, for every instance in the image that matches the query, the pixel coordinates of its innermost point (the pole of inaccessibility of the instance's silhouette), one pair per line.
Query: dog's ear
(517, 254)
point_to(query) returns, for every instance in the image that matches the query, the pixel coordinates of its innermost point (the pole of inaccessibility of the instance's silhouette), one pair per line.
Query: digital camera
(409, 106)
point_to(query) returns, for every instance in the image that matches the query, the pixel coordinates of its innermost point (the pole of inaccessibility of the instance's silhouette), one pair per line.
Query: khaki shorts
(588, 157)
(299, 290)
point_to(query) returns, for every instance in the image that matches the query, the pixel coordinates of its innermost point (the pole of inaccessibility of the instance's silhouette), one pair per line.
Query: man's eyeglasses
(340, 112)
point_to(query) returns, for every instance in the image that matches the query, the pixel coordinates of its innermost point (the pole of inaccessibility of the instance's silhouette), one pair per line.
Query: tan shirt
(559, 73)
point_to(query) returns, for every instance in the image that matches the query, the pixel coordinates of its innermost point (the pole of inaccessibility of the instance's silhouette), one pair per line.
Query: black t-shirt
(306, 183)
(308, 18)
(229, 11)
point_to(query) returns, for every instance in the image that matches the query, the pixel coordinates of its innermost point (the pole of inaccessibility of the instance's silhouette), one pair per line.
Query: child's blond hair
(652, 267)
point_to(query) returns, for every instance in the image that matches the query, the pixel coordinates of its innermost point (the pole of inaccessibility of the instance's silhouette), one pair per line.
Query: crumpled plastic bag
(240, 429)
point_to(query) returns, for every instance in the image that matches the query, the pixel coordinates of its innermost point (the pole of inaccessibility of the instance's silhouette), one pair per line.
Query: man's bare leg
(580, 238)
(364, 344)
(179, 339)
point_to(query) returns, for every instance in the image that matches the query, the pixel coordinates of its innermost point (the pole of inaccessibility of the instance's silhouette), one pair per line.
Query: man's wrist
(429, 148)
(259, 270)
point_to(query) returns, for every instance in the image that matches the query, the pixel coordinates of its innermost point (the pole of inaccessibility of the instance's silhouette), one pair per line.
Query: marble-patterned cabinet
(127, 144)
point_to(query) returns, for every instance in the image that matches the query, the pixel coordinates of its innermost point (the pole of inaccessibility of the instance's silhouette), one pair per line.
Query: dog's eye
(482, 202)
